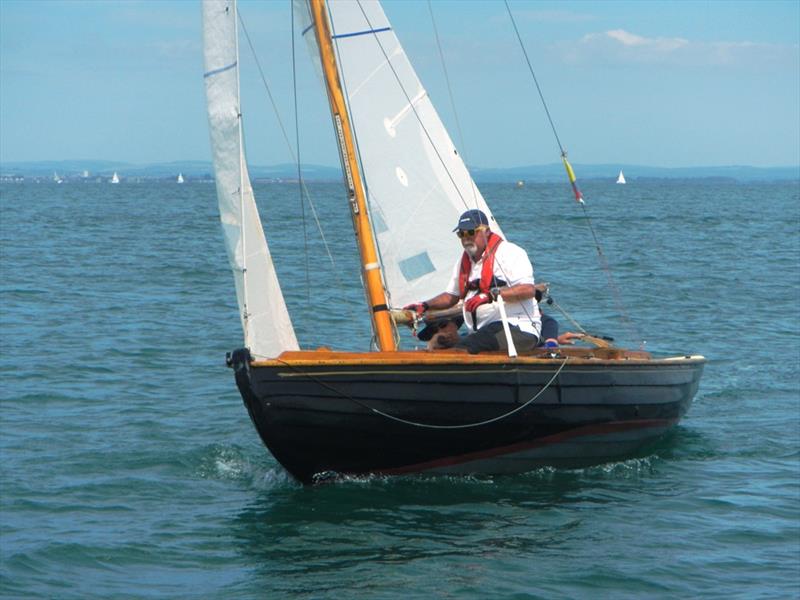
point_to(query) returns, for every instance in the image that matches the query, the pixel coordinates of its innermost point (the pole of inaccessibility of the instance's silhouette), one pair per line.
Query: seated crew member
(490, 267)
(441, 334)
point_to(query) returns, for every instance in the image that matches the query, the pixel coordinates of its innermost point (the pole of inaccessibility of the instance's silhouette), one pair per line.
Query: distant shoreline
(92, 170)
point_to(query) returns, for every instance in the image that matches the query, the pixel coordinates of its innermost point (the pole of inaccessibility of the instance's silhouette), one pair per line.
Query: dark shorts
(492, 337)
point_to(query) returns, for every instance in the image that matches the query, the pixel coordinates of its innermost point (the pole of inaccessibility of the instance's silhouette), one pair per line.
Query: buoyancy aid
(487, 280)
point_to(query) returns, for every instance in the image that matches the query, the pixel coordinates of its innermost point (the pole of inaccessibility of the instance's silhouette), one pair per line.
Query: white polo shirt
(512, 265)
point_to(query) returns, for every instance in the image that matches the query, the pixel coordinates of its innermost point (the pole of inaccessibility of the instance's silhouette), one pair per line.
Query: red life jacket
(487, 271)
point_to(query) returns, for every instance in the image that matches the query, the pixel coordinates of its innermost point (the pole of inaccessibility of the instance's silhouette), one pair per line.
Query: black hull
(459, 418)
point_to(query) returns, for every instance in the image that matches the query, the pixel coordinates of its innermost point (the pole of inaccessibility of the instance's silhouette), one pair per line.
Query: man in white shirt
(490, 267)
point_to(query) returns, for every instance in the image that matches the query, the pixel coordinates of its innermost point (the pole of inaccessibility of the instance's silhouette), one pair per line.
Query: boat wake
(223, 462)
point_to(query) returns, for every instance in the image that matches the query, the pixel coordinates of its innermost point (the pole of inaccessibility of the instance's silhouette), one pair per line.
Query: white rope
(469, 425)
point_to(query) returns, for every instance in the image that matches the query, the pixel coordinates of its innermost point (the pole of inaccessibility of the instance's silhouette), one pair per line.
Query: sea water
(130, 468)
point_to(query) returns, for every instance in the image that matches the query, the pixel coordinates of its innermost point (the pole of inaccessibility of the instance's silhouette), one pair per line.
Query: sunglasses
(462, 233)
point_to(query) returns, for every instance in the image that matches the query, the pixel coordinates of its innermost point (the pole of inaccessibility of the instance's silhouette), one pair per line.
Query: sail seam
(357, 33)
(416, 113)
(220, 70)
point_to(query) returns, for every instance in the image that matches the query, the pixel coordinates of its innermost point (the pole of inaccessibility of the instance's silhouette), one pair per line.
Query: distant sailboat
(180, 177)
(115, 178)
(520, 183)
(621, 178)
(56, 178)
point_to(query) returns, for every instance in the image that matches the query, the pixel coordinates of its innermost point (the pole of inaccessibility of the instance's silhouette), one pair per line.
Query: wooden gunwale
(327, 358)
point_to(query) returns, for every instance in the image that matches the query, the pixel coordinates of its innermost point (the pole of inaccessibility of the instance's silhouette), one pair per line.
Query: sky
(673, 84)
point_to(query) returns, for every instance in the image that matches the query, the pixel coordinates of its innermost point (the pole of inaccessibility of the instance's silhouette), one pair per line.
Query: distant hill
(531, 173)
(190, 169)
(555, 172)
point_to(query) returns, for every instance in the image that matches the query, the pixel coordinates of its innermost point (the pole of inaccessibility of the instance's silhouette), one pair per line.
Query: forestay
(267, 327)
(417, 183)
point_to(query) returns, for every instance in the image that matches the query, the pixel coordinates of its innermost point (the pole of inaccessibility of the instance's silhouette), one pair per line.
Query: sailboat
(180, 178)
(621, 177)
(326, 413)
(115, 178)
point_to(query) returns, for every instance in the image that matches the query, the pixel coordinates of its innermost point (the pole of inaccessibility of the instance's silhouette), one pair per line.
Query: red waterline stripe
(545, 441)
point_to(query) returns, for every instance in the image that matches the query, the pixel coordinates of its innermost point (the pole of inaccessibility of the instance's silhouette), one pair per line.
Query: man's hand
(418, 307)
(569, 338)
(473, 303)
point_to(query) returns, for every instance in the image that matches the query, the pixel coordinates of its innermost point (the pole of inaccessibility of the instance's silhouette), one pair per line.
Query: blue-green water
(130, 467)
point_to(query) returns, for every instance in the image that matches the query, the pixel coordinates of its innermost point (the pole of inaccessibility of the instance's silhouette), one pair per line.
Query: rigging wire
(458, 123)
(452, 100)
(288, 143)
(297, 145)
(565, 313)
(412, 106)
(603, 261)
(242, 229)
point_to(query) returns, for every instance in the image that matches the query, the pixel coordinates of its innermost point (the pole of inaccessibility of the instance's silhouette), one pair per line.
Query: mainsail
(417, 184)
(267, 327)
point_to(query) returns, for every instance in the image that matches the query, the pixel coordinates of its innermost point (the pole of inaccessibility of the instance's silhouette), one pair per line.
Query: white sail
(267, 327)
(180, 178)
(415, 178)
(115, 178)
(621, 178)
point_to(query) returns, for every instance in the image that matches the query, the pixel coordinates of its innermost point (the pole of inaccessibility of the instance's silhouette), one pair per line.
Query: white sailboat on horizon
(621, 177)
(115, 178)
(180, 178)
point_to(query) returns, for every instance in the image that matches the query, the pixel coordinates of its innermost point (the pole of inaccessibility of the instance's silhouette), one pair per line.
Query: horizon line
(617, 164)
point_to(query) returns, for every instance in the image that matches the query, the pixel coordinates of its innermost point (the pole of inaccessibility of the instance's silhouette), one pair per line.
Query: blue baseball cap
(472, 219)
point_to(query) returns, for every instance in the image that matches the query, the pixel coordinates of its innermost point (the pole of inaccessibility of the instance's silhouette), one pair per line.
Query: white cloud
(631, 39)
(621, 46)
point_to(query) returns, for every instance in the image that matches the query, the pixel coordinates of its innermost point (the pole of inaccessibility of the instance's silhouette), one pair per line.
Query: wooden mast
(370, 266)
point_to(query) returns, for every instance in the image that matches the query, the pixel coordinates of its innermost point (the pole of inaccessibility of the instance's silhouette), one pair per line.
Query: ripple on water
(130, 466)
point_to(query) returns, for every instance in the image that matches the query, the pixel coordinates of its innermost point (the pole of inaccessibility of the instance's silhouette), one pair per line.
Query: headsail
(267, 327)
(417, 183)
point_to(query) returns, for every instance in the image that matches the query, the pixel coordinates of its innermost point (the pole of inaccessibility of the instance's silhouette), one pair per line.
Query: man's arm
(442, 301)
(517, 293)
